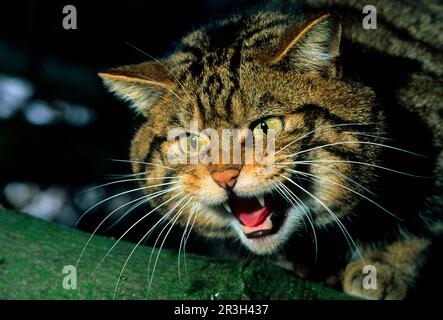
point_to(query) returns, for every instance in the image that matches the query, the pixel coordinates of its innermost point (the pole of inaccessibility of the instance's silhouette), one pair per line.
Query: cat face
(263, 75)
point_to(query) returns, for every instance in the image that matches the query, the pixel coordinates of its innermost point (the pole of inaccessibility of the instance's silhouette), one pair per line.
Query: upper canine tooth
(261, 199)
(227, 207)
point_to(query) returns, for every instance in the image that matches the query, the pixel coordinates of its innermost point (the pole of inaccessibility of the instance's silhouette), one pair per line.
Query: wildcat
(340, 195)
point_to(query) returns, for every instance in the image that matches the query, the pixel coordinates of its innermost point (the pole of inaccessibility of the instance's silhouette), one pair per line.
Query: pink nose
(226, 178)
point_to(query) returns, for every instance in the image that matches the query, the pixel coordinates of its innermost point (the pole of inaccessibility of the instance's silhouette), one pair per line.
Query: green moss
(33, 254)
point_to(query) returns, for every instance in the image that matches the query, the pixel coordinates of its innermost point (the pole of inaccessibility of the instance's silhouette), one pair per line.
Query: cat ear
(141, 84)
(312, 48)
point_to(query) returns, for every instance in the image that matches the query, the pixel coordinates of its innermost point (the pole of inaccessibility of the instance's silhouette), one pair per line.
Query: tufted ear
(142, 84)
(313, 47)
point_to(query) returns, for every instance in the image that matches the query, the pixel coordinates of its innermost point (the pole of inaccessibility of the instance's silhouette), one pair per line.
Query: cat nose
(226, 178)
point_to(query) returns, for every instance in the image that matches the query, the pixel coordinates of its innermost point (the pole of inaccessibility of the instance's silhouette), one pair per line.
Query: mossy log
(33, 254)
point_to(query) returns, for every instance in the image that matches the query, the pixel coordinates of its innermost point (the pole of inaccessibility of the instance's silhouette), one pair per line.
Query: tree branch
(33, 254)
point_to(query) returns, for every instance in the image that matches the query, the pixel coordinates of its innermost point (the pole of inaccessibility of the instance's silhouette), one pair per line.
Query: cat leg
(393, 267)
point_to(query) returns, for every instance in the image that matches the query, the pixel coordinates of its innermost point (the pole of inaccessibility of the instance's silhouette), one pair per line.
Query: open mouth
(258, 216)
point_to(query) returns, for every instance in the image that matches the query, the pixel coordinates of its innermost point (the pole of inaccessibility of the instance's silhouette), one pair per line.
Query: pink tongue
(250, 212)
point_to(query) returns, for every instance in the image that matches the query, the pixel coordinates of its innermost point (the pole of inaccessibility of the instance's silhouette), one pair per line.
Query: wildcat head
(260, 74)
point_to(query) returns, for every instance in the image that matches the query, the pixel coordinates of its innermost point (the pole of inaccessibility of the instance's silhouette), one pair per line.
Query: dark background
(59, 128)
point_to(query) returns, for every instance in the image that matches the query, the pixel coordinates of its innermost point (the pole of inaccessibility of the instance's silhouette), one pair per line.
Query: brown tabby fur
(302, 66)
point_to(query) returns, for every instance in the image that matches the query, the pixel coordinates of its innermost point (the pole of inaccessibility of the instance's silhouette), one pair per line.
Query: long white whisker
(127, 175)
(140, 200)
(305, 209)
(120, 194)
(182, 239)
(365, 134)
(341, 175)
(136, 223)
(138, 243)
(280, 191)
(345, 232)
(129, 180)
(353, 162)
(321, 128)
(172, 223)
(116, 222)
(169, 222)
(317, 178)
(187, 237)
(142, 162)
(355, 142)
(133, 250)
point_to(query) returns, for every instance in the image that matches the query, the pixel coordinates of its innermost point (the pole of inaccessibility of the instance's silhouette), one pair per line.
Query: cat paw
(385, 283)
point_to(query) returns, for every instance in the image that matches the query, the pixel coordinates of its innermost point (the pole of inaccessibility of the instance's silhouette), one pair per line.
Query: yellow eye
(192, 143)
(263, 126)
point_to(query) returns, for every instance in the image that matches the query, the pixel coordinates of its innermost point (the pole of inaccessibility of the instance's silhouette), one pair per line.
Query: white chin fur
(271, 243)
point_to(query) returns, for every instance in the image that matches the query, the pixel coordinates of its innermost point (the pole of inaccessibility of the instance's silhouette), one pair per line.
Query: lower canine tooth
(227, 207)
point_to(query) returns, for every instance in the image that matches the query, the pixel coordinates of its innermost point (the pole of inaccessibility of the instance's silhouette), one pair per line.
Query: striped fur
(258, 64)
